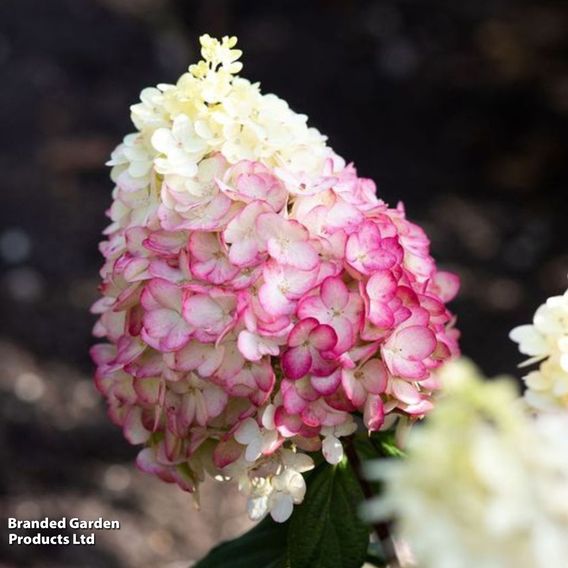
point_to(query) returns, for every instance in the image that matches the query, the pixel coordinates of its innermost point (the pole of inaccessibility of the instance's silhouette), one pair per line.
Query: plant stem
(382, 529)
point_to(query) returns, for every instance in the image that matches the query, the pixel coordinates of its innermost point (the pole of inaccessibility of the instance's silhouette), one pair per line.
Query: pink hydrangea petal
(149, 390)
(312, 307)
(263, 375)
(345, 335)
(191, 410)
(375, 376)
(215, 400)
(165, 242)
(323, 338)
(434, 306)
(407, 369)
(127, 298)
(442, 351)
(374, 413)
(298, 254)
(254, 347)
(227, 452)
(298, 281)
(149, 364)
(381, 286)
(296, 362)
(273, 300)
(205, 314)
(209, 261)
(134, 430)
(369, 236)
(293, 402)
(165, 294)
(381, 315)
(313, 416)
(353, 387)
(302, 331)
(216, 271)
(241, 234)
(304, 388)
(256, 182)
(258, 397)
(379, 260)
(359, 353)
(343, 216)
(171, 448)
(244, 252)
(241, 384)
(207, 217)
(102, 353)
(288, 425)
(245, 278)
(146, 462)
(446, 285)
(334, 293)
(322, 367)
(137, 269)
(168, 328)
(353, 251)
(128, 349)
(405, 391)
(415, 342)
(232, 362)
(420, 408)
(203, 246)
(135, 320)
(202, 357)
(162, 268)
(327, 385)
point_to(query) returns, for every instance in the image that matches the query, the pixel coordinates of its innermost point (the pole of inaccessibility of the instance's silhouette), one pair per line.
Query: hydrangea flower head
(259, 301)
(546, 343)
(491, 480)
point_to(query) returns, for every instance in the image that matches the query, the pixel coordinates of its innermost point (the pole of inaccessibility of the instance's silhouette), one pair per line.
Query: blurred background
(460, 109)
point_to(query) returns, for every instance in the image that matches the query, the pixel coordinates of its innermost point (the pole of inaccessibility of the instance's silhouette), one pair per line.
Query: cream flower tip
(215, 52)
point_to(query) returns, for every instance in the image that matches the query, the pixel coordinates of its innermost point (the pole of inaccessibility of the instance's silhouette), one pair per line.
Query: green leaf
(264, 546)
(386, 444)
(365, 447)
(325, 530)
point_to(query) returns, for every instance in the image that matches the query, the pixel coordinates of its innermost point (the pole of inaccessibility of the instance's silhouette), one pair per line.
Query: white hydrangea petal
(269, 438)
(282, 507)
(346, 429)
(296, 487)
(530, 341)
(257, 507)
(163, 140)
(268, 417)
(254, 449)
(537, 381)
(247, 431)
(332, 450)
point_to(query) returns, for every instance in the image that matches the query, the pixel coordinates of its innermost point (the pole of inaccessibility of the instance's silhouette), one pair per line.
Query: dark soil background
(458, 108)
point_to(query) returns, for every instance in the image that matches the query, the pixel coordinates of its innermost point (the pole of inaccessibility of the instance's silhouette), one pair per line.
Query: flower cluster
(491, 480)
(257, 296)
(546, 341)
